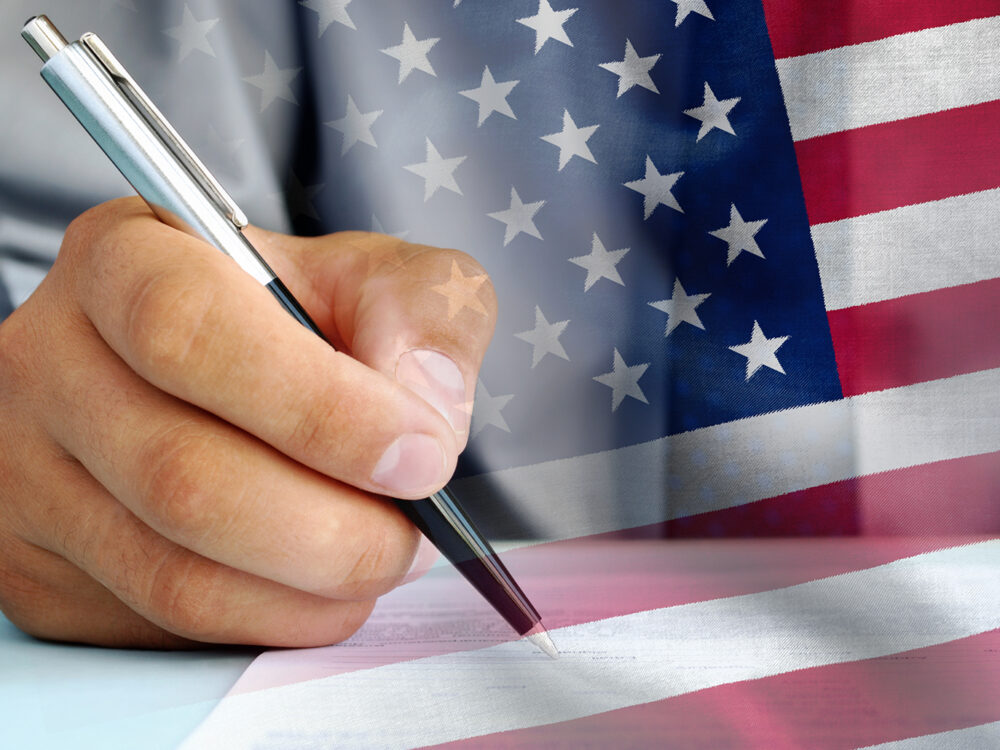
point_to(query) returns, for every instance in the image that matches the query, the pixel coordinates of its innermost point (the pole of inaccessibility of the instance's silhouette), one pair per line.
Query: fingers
(50, 598)
(417, 314)
(190, 322)
(173, 588)
(196, 465)
(217, 490)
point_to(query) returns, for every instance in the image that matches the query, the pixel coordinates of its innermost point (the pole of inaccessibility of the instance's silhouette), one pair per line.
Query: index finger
(190, 322)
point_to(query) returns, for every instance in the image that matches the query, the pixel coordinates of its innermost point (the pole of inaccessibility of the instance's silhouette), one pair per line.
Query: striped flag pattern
(744, 644)
(893, 114)
(598, 416)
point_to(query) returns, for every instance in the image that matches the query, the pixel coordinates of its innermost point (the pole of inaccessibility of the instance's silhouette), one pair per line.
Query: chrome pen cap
(137, 138)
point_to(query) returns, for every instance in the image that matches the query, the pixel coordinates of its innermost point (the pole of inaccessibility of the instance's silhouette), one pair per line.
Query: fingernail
(436, 378)
(411, 463)
(423, 561)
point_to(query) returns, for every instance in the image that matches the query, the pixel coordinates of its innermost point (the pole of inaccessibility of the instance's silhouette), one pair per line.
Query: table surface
(70, 696)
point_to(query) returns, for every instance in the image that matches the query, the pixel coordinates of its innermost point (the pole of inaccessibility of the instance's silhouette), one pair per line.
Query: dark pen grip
(516, 609)
(287, 301)
(426, 517)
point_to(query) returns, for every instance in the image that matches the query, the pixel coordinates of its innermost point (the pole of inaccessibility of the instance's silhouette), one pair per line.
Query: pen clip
(164, 130)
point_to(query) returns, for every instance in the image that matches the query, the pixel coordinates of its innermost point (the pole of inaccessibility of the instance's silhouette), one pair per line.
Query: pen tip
(542, 640)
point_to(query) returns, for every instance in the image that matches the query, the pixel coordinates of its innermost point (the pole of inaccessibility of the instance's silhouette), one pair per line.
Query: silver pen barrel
(160, 167)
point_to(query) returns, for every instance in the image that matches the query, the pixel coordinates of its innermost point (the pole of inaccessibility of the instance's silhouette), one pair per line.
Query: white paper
(606, 664)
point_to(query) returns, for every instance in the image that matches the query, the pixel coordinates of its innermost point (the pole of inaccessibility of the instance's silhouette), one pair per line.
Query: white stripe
(750, 459)
(890, 79)
(984, 736)
(624, 661)
(909, 250)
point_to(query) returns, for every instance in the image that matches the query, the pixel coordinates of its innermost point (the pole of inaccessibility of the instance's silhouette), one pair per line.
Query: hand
(181, 461)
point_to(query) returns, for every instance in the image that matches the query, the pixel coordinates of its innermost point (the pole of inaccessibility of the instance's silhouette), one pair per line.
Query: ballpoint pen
(183, 194)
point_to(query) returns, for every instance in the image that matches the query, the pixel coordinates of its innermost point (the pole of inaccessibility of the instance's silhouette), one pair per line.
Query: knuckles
(16, 347)
(156, 306)
(183, 596)
(320, 427)
(164, 330)
(423, 264)
(188, 596)
(81, 235)
(96, 228)
(28, 597)
(22, 600)
(177, 466)
(377, 566)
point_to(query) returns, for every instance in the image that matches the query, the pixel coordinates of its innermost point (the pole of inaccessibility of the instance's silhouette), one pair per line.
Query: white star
(355, 126)
(192, 34)
(655, 188)
(713, 113)
(681, 308)
(486, 410)
(518, 218)
(548, 24)
(544, 338)
(330, 11)
(684, 7)
(491, 96)
(623, 380)
(600, 263)
(760, 351)
(412, 54)
(739, 234)
(633, 70)
(437, 172)
(572, 141)
(273, 82)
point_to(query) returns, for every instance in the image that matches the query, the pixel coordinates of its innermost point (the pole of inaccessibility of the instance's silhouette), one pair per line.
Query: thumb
(421, 315)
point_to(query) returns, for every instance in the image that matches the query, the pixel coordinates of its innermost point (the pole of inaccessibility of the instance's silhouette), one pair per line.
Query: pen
(183, 194)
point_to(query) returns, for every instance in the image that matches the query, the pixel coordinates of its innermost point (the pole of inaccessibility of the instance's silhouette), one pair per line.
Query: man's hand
(181, 461)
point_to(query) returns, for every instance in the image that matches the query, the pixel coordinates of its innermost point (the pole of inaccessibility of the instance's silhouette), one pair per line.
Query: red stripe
(900, 163)
(918, 337)
(594, 578)
(957, 496)
(903, 512)
(960, 496)
(798, 28)
(935, 689)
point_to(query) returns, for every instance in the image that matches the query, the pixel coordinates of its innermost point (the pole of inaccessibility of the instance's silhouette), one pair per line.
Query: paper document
(728, 643)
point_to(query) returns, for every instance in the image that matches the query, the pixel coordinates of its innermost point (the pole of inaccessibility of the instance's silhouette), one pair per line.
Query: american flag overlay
(748, 268)
(743, 252)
